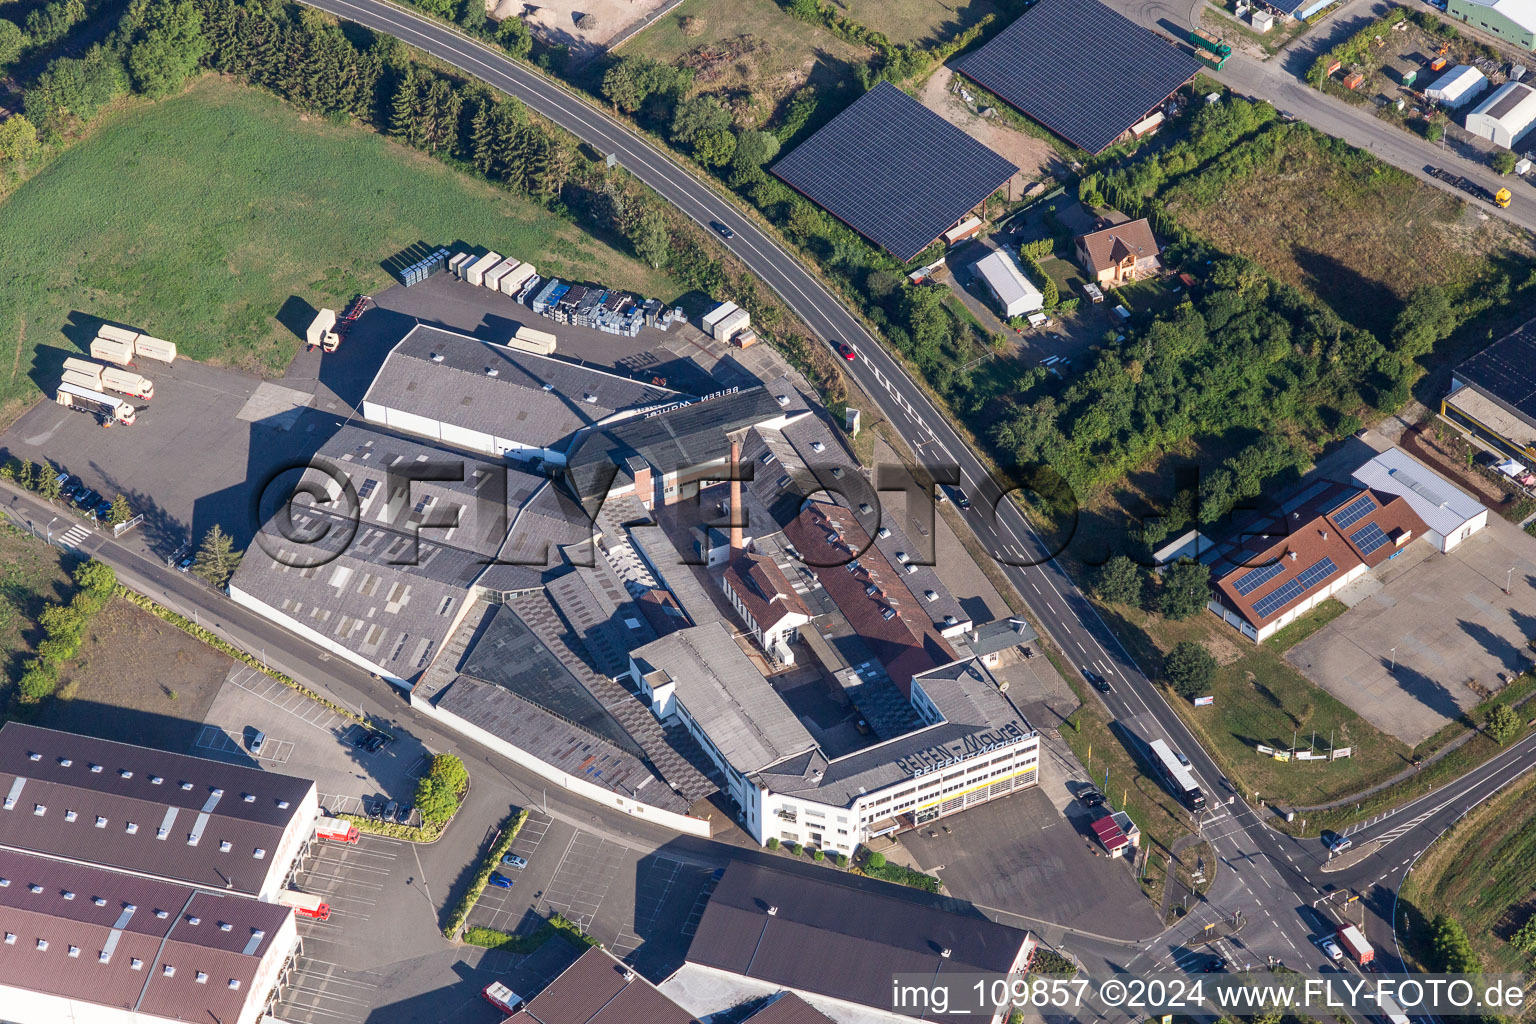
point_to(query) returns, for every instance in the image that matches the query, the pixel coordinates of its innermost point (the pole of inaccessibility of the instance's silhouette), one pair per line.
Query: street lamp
(50, 529)
(1394, 661)
(1507, 577)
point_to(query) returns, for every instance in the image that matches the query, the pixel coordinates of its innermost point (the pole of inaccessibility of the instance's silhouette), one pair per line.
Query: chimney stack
(736, 510)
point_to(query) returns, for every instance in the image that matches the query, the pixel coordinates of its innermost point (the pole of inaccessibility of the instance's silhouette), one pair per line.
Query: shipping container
(112, 350)
(495, 274)
(475, 272)
(530, 340)
(127, 382)
(84, 366)
(717, 314)
(116, 333)
(89, 381)
(730, 324)
(1438, 64)
(457, 262)
(516, 278)
(155, 348)
(1353, 80)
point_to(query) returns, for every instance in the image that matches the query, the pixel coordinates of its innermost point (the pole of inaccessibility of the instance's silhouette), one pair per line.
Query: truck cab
(501, 997)
(337, 830)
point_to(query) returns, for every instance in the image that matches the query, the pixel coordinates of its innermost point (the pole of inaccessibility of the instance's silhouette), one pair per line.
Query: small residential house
(1120, 253)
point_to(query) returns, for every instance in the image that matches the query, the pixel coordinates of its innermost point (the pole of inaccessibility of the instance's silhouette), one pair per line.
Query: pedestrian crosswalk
(74, 536)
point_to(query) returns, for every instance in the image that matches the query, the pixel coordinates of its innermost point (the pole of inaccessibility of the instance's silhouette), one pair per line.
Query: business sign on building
(941, 756)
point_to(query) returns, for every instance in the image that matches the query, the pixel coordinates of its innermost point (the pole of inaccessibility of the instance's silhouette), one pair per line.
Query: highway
(1269, 877)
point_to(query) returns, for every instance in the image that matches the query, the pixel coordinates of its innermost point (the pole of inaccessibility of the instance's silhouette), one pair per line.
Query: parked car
(103, 510)
(258, 742)
(390, 809)
(85, 501)
(376, 809)
(512, 860)
(185, 565)
(499, 880)
(404, 814)
(377, 743)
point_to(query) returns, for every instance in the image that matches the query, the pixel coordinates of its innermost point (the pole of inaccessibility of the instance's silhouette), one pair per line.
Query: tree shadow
(1366, 303)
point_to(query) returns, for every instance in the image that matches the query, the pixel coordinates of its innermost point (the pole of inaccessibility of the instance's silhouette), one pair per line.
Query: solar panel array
(1084, 71)
(1506, 370)
(1249, 582)
(1283, 595)
(1355, 511)
(1368, 538)
(1314, 574)
(894, 171)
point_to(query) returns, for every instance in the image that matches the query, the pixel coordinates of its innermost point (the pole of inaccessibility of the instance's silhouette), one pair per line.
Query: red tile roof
(865, 588)
(759, 584)
(1108, 247)
(598, 989)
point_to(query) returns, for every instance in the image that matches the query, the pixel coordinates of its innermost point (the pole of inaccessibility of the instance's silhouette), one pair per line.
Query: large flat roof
(839, 936)
(162, 949)
(1083, 70)
(1506, 372)
(530, 399)
(45, 775)
(1443, 506)
(744, 717)
(894, 171)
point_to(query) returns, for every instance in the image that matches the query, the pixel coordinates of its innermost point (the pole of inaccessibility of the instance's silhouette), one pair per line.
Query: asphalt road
(1250, 879)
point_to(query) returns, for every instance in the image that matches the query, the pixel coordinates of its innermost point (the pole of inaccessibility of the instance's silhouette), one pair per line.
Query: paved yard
(1426, 626)
(1021, 855)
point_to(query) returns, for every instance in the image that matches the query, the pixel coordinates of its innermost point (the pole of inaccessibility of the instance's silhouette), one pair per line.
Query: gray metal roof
(841, 936)
(46, 776)
(383, 585)
(991, 637)
(532, 399)
(676, 439)
(738, 709)
(1443, 506)
(97, 923)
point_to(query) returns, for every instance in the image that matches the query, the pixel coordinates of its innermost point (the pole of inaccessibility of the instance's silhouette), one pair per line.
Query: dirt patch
(1035, 158)
(1445, 451)
(587, 26)
(139, 680)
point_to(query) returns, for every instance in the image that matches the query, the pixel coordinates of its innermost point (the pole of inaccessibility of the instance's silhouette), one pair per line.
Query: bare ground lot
(137, 680)
(565, 21)
(1035, 158)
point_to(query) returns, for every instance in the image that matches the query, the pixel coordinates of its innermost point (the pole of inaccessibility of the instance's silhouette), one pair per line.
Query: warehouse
(1513, 21)
(86, 944)
(1450, 514)
(835, 941)
(497, 400)
(1082, 70)
(1507, 116)
(170, 816)
(381, 571)
(894, 171)
(1457, 87)
(1016, 295)
(1493, 394)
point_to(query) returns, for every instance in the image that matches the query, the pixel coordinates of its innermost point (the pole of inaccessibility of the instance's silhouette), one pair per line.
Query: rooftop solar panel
(1355, 511)
(1282, 596)
(1506, 371)
(894, 171)
(1368, 538)
(1084, 71)
(1314, 574)
(1252, 581)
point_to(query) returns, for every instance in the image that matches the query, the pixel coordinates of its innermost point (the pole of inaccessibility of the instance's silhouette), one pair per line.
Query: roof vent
(773, 911)
(34, 757)
(66, 762)
(947, 953)
(437, 357)
(491, 371)
(1324, 533)
(1293, 556)
(629, 975)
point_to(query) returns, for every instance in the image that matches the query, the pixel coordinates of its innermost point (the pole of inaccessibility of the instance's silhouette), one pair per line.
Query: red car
(845, 350)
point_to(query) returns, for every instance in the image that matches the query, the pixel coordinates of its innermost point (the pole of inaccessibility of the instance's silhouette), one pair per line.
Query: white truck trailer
(112, 350)
(127, 382)
(104, 407)
(155, 348)
(530, 340)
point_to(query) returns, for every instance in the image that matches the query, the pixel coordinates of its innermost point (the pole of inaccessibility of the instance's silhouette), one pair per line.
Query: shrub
(793, 848)
(1186, 589)
(509, 832)
(1118, 581)
(773, 842)
(1189, 669)
(842, 860)
(819, 856)
(875, 860)
(1502, 723)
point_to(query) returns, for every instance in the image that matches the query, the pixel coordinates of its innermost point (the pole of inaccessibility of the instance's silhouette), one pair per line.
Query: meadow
(197, 217)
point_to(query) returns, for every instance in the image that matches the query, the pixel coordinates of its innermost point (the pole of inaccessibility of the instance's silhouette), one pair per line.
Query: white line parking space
(312, 713)
(586, 871)
(215, 742)
(657, 880)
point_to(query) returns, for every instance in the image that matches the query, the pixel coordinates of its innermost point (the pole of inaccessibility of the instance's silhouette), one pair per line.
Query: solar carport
(1084, 71)
(894, 171)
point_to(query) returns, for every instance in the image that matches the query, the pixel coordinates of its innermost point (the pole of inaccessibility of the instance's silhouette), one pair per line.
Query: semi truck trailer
(155, 348)
(116, 333)
(112, 350)
(104, 407)
(1353, 941)
(127, 382)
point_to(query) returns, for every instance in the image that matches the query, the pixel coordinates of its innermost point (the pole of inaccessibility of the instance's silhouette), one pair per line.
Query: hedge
(65, 627)
(509, 832)
(490, 938)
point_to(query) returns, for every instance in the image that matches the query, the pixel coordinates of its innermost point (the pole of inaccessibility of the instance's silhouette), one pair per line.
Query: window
(224, 846)
(10, 938)
(202, 978)
(186, 785)
(65, 762)
(125, 773)
(39, 810)
(134, 963)
(234, 983)
(250, 798)
(68, 895)
(74, 951)
(96, 768)
(104, 957)
(70, 815)
(155, 780)
(101, 822)
(42, 945)
(132, 828)
(169, 971)
(260, 854)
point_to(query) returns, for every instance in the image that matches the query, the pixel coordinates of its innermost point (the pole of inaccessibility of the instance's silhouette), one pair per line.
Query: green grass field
(923, 21)
(197, 217)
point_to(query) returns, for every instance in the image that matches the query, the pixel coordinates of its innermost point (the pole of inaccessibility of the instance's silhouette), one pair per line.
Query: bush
(1504, 161)
(819, 856)
(793, 848)
(1118, 581)
(842, 860)
(509, 831)
(1502, 723)
(875, 860)
(773, 842)
(1186, 589)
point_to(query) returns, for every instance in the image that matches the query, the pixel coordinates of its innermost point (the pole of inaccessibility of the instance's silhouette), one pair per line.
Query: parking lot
(1424, 627)
(641, 906)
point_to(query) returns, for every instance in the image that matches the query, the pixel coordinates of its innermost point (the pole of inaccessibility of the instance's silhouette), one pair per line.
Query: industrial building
(1493, 394)
(1016, 294)
(894, 171)
(1081, 69)
(835, 941)
(139, 886)
(1505, 117)
(498, 400)
(381, 571)
(183, 819)
(1450, 514)
(1513, 21)
(1457, 87)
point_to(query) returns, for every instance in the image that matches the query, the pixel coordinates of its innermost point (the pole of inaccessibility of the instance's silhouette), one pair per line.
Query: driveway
(1429, 634)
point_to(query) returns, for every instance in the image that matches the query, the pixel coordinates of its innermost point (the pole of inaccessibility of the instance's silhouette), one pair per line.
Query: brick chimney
(736, 511)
